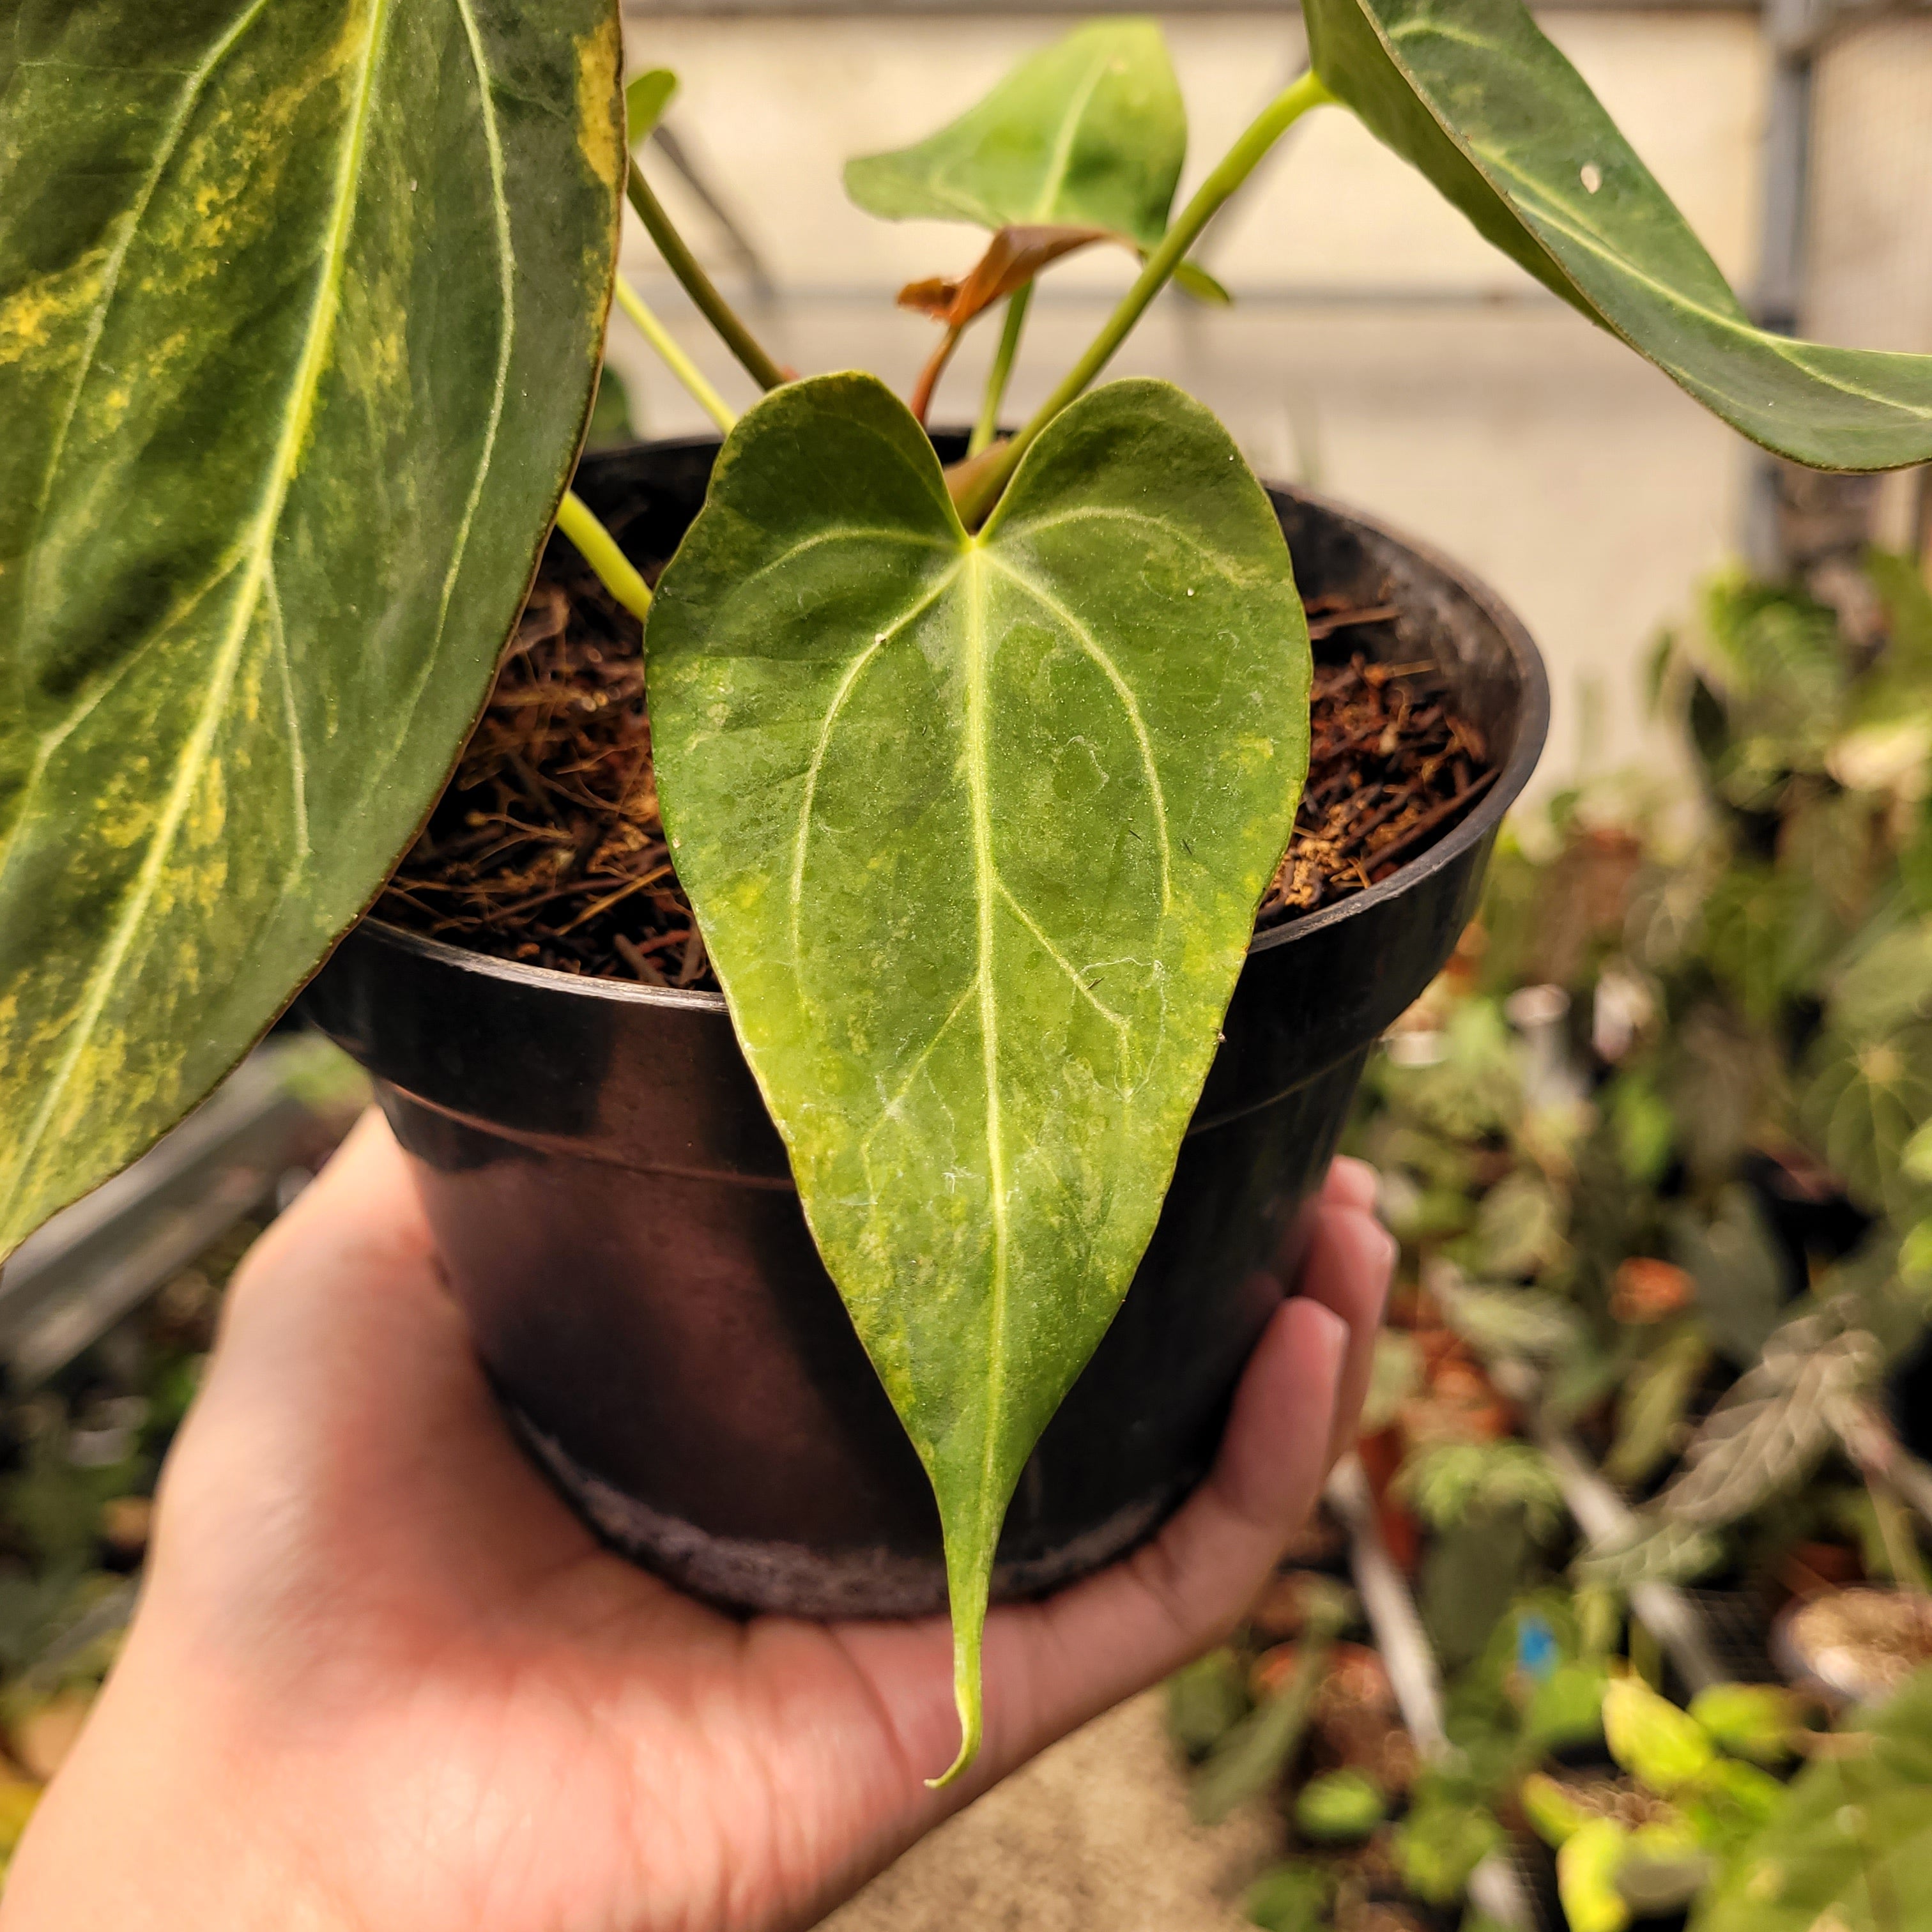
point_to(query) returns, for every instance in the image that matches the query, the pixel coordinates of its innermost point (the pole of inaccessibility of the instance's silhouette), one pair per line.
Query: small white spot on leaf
(1592, 177)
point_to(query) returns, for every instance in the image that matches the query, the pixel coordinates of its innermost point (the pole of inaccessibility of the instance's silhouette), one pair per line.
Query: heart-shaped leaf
(300, 308)
(976, 827)
(1088, 133)
(1472, 94)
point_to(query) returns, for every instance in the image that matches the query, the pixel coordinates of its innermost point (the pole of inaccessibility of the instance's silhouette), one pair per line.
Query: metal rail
(97, 1261)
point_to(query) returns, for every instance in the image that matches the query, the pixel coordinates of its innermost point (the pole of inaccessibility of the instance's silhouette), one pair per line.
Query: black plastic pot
(617, 1218)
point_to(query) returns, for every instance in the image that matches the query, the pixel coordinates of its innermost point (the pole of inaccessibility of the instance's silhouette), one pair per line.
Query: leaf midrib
(1062, 156)
(984, 888)
(193, 757)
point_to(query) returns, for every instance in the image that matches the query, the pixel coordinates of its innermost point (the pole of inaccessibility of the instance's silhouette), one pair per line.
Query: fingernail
(1333, 1331)
(1379, 1248)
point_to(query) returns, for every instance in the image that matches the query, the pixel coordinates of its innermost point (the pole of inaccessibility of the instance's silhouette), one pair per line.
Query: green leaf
(1519, 1225)
(1867, 1098)
(1291, 1897)
(1090, 132)
(1471, 93)
(1655, 1400)
(1340, 1806)
(1664, 1747)
(1251, 1759)
(1528, 1323)
(1849, 1845)
(1567, 1708)
(1441, 1842)
(1735, 1259)
(301, 309)
(1205, 1700)
(611, 425)
(1586, 1877)
(1453, 1484)
(646, 97)
(1553, 1813)
(975, 827)
(1750, 1721)
(1193, 279)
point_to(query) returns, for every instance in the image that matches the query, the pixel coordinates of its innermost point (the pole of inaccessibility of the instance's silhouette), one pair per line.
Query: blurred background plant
(1643, 1451)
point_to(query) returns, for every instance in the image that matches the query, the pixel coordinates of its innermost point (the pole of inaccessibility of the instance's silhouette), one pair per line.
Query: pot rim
(1531, 733)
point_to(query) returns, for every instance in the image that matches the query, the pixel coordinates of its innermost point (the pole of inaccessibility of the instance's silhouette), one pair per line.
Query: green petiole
(988, 427)
(599, 549)
(1234, 167)
(684, 265)
(673, 357)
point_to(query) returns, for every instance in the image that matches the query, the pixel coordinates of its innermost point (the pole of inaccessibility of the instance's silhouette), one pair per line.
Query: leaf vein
(1115, 1020)
(802, 843)
(1124, 692)
(845, 534)
(984, 879)
(1102, 512)
(889, 1110)
(1061, 159)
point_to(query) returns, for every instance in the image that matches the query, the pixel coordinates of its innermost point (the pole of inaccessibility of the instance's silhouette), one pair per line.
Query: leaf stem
(1233, 168)
(599, 549)
(684, 265)
(988, 427)
(673, 357)
(921, 399)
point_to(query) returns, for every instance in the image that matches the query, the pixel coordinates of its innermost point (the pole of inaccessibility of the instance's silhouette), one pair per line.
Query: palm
(443, 1694)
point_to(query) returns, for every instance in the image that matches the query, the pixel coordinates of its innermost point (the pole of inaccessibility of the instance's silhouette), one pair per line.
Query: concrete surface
(1093, 1836)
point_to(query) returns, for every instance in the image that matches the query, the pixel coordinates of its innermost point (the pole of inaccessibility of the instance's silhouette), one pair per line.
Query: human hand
(381, 1678)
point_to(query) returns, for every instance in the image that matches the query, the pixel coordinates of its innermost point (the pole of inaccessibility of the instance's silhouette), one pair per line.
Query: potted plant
(974, 780)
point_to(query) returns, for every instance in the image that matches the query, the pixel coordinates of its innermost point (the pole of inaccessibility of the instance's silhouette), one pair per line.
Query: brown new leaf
(1013, 257)
(1015, 254)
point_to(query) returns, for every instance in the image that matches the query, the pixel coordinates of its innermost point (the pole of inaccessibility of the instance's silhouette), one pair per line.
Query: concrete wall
(1465, 404)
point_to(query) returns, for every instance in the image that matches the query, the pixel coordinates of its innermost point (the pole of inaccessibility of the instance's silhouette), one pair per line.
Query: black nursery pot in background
(617, 1217)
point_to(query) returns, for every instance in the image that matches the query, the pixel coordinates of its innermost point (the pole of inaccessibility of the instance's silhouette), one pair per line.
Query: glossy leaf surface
(1473, 94)
(300, 307)
(1089, 133)
(975, 827)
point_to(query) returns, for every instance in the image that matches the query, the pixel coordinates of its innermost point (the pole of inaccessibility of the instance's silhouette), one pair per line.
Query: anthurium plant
(302, 308)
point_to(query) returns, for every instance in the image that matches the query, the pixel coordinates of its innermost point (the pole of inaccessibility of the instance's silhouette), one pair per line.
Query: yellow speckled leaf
(976, 827)
(300, 306)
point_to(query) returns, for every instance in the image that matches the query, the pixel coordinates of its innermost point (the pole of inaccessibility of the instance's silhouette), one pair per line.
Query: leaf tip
(969, 1587)
(967, 1699)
